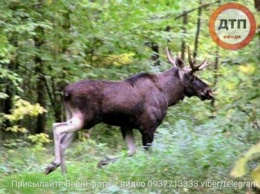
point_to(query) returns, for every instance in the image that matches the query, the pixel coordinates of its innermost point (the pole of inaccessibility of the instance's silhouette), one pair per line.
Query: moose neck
(171, 85)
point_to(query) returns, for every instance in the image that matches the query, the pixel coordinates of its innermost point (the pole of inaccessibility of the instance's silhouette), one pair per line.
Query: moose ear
(179, 62)
(181, 73)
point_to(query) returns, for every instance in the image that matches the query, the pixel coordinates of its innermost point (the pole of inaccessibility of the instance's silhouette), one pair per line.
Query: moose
(138, 102)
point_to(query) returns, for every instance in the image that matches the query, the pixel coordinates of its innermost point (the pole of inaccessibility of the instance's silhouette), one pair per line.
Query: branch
(249, 116)
(45, 83)
(191, 10)
(26, 69)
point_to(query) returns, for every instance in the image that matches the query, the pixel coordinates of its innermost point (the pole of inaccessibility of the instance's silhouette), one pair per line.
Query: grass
(181, 161)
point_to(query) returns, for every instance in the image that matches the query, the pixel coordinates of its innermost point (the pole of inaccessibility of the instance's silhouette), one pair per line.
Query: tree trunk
(198, 31)
(216, 66)
(7, 103)
(257, 5)
(40, 87)
(183, 42)
(155, 56)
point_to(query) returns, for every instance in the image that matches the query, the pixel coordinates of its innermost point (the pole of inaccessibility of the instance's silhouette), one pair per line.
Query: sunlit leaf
(255, 174)
(240, 168)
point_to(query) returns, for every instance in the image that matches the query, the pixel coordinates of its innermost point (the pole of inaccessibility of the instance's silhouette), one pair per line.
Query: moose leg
(56, 163)
(129, 140)
(65, 142)
(147, 139)
(148, 125)
(61, 131)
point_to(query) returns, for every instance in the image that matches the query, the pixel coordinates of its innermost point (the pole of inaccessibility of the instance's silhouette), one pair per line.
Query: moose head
(193, 86)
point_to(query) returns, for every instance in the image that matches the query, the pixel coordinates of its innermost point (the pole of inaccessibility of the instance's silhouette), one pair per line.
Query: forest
(210, 146)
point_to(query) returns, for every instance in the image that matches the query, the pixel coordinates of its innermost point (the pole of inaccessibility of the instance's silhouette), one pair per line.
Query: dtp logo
(232, 26)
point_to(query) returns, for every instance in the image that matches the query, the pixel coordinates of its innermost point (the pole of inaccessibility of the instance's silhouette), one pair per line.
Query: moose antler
(194, 67)
(177, 62)
(169, 55)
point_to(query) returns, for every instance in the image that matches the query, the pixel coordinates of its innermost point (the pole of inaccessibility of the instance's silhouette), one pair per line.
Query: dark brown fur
(140, 101)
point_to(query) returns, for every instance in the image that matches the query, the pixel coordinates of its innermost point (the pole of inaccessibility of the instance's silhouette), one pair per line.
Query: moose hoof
(106, 161)
(53, 166)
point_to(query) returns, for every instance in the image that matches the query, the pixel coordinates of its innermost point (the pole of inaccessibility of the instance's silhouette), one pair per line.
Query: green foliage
(39, 140)
(7, 77)
(15, 143)
(240, 169)
(16, 129)
(57, 42)
(23, 108)
(115, 60)
(179, 153)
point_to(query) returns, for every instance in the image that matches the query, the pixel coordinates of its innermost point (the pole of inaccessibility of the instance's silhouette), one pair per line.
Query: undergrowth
(182, 159)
